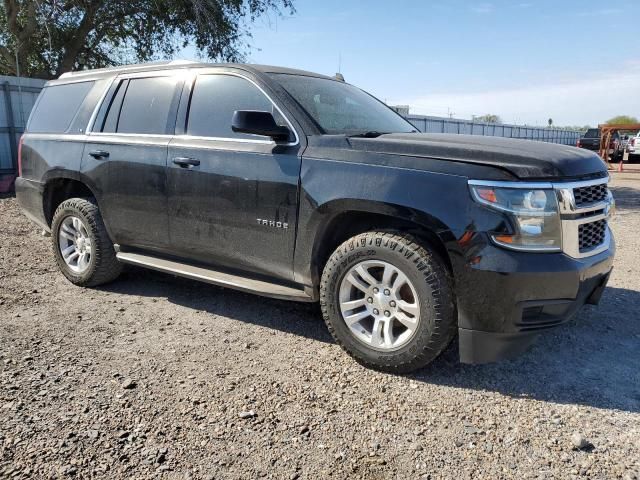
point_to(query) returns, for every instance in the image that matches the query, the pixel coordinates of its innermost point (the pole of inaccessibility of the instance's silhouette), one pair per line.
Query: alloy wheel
(379, 305)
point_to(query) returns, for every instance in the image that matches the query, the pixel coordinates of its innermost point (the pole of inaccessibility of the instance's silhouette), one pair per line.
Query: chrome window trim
(216, 71)
(129, 139)
(228, 139)
(57, 137)
(194, 74)
(127, 76)
(566, 208)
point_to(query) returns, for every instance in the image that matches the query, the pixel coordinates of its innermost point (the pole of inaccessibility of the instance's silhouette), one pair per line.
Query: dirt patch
(154, 376)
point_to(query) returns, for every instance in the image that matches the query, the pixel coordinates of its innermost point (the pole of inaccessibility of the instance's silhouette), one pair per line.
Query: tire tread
(106, 267)
(434, 272)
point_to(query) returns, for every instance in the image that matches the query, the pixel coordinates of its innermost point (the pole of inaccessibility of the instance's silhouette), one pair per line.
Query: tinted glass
(214, 100)
(592, 133)
(57, 107)
(146, 105)
(111, 120)
(342, 108)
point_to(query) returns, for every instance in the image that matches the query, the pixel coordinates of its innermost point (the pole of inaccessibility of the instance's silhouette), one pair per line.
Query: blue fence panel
(17, 97)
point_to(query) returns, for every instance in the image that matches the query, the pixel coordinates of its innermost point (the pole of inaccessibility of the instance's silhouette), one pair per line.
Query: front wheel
(388, 301)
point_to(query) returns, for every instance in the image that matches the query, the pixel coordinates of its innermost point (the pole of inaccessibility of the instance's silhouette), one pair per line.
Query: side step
(221, 279)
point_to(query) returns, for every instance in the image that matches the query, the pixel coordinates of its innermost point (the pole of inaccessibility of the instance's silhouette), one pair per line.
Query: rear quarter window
(57, 107)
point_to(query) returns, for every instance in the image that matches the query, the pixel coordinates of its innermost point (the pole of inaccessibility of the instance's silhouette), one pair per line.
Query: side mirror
(258, 123)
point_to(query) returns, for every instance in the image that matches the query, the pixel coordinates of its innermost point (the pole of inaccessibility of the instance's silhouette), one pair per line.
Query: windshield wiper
(370, 134)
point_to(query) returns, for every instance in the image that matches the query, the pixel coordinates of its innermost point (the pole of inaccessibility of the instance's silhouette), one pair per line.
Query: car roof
(99, 73)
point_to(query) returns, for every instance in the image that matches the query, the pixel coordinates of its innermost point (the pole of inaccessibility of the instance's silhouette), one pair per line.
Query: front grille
(590, 194)
(591, 234)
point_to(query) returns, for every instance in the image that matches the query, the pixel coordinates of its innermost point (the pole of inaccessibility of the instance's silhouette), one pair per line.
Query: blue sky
(577, 62)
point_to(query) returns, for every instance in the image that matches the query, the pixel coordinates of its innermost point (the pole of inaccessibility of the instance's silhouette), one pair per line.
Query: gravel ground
(158, 377)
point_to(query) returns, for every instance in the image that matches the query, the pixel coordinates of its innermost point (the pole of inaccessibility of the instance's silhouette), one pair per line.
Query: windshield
(340, 108)
(592, 133)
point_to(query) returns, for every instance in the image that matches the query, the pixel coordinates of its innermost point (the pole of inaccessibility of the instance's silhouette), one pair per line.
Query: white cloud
(483, 8)
(570, 102)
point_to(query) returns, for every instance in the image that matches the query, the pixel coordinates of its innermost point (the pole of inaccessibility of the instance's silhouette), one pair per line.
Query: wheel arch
(343, 220)
(62, 187)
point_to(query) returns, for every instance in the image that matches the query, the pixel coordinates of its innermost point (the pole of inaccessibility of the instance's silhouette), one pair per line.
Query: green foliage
(55, 36)
(622, 119)
(574, 128)
(488, 118)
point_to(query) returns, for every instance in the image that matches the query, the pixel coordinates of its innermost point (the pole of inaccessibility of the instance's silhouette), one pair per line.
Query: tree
(622, 119)
(489, 118)
(50, 37)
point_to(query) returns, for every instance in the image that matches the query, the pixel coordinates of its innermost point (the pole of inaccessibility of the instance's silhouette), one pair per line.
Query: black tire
(429, 276)
(634, 158)
(103, 265)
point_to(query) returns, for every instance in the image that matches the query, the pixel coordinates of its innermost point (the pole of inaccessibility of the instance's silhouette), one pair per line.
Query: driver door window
(214, 100)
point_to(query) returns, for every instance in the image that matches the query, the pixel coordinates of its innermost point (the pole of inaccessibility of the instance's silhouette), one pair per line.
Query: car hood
(523, 158)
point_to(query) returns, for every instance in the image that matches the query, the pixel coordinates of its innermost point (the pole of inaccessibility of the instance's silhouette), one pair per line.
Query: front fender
(437, 202)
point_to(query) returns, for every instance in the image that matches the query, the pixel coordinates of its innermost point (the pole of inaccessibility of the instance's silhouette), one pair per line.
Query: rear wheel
(388, 301)
(81, 245)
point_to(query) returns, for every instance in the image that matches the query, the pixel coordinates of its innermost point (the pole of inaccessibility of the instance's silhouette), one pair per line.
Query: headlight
(534, 212)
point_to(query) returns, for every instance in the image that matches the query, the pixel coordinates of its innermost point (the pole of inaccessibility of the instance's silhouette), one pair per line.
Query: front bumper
(507, 298)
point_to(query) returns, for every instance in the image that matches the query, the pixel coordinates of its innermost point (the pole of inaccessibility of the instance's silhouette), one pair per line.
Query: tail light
(632, 142)
(578, 144)
(20, 156)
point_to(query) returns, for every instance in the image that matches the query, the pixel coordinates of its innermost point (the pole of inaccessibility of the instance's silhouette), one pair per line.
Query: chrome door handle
(186, 162)
(99, 154)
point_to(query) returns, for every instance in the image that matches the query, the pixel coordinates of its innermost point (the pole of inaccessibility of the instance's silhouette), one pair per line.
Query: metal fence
(453, 125)
(16, 101)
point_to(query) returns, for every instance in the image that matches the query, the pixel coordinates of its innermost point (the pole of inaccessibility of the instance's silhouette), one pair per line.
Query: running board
(221, 279)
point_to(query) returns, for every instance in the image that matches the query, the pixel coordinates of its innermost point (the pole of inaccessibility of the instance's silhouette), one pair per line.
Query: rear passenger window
(146, 106)
(57, 107)
(214, 100)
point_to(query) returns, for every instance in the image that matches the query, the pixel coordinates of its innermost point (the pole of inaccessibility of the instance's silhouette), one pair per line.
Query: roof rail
(124, 68)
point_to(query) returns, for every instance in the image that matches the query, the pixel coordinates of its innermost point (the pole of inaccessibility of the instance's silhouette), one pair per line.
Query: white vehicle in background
(633, 147)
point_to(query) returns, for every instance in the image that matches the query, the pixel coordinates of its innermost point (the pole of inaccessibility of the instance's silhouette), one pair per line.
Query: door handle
(98, 154)
(186, 162)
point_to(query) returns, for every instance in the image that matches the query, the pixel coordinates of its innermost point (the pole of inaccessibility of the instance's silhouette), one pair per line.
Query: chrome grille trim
(573, 215)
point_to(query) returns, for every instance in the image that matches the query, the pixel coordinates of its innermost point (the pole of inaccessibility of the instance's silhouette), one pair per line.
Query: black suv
(302, 187)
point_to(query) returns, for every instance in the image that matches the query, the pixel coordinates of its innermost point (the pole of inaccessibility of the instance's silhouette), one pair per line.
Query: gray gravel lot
(158, 377)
